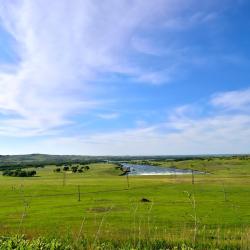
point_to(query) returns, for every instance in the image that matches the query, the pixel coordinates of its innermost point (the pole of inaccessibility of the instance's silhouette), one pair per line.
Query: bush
(7, 172)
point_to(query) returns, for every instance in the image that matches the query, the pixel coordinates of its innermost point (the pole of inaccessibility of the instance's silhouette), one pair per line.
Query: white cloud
(145, 46)
(233, 100)
(190, 21)
(108, 116)
(219, 134)
(183, 132)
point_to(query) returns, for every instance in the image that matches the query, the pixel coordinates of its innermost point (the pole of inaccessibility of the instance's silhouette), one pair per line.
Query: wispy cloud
(63, 48)
(190, 21)
(182, 132)
(233, 100)
(219, 134)
(108, 116)
(66, 48)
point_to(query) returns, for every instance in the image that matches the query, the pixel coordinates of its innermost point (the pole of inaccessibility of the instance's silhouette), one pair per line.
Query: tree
(65, 168)
(74, 169)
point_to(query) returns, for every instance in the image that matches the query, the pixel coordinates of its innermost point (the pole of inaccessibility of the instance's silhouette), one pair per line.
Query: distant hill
(46, 159)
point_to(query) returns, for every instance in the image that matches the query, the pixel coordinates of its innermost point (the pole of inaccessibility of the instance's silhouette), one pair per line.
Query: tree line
(19, 173)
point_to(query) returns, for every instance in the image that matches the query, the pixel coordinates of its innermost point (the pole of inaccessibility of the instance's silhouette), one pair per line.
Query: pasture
(99, 204)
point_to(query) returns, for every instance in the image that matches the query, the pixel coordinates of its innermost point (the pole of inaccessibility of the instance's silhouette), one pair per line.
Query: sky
(141, 77)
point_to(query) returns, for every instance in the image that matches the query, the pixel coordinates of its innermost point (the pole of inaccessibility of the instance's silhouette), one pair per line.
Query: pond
(135, 169)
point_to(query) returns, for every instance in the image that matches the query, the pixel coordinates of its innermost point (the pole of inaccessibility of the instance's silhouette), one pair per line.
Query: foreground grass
(42, 243)
(212, 213)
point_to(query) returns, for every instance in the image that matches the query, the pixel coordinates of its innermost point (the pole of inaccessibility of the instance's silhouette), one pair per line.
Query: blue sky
(124, 77)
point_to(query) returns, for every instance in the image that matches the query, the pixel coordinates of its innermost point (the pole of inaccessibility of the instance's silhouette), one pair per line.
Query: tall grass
(49, 243)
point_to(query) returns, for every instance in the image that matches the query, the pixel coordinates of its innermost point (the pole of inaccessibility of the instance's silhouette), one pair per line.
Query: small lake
(135, 169)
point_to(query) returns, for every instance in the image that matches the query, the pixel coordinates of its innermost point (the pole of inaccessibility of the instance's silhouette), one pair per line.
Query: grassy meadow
(99, 205)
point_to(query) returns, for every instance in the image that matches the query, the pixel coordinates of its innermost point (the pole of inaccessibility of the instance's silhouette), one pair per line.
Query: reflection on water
(134, 169)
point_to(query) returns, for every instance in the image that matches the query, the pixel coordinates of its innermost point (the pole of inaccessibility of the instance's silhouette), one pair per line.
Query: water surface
(136, 169)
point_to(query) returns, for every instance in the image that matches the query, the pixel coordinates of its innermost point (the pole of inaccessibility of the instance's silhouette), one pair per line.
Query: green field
(99, 205)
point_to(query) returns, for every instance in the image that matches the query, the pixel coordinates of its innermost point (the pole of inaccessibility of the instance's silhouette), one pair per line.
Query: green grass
(42, 206)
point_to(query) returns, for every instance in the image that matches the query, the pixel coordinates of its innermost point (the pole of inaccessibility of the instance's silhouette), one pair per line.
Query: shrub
(19, 242)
